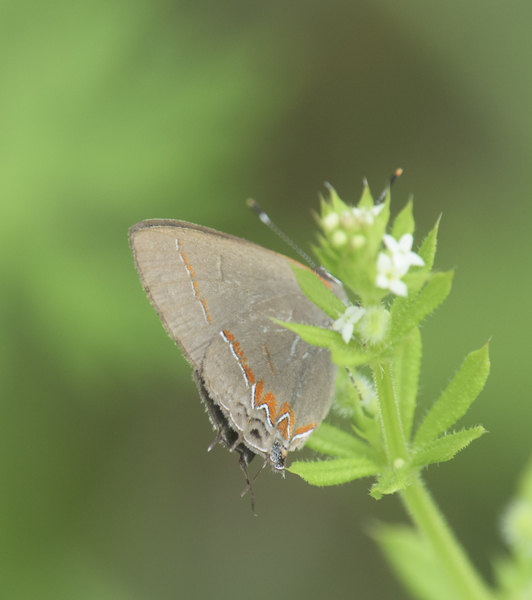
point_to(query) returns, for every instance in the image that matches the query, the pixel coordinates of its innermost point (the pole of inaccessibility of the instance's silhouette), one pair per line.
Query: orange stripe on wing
(269, 405)
(238, 353)
(187, 264)
(285, 421)
(195, 285)
(304, 431)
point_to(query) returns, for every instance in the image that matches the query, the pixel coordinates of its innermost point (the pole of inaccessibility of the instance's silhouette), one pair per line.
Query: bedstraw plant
(376, 343)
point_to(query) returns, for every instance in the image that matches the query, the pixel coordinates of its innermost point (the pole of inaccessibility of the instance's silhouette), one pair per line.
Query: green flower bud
(339, 238)
(517, 526)
(357, 242)
(330, 222)
(373, 327)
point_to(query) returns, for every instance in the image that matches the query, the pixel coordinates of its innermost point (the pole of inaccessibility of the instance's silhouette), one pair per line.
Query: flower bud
(347, 220)
(373, 327)
(339, 238)
(517, 526)
(357, 242)
(330, 222)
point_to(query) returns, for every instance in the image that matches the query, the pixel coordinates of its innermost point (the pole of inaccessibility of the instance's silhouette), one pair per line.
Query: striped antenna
(267, 221)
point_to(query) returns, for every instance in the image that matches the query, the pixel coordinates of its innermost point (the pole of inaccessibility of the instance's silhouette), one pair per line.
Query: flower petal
(399, 288)
(390, 243)
(383, 282)
(405, 243)
(347, 332)
(416, 260)
(384, 263)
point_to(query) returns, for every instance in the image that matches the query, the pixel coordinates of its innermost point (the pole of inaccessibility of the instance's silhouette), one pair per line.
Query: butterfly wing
(215, 294)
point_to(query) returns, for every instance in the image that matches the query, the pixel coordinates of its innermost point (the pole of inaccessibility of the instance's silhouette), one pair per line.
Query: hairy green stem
(419, 503)
(389, 411)
(428, 518)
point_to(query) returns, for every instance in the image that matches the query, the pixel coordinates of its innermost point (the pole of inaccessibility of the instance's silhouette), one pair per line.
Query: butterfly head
(278, 456)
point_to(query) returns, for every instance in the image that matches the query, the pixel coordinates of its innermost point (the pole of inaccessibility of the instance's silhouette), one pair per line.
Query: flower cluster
(373, 263)
(347, 227)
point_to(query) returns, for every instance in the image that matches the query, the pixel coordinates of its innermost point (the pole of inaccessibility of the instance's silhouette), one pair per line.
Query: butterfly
(265, 389)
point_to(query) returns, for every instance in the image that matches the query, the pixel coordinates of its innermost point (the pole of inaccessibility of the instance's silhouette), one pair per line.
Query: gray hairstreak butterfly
(265, 389)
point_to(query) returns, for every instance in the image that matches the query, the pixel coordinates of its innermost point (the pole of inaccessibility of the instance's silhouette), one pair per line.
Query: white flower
(346, 323)
(366, 215)
(388, 277)
(402, 255)
(391, 269)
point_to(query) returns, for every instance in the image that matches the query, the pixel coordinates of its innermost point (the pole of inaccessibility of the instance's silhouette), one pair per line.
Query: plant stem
(417, 500)
(428, 518)
(389, 410)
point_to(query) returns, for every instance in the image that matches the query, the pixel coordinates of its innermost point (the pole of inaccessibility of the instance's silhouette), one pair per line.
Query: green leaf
(349, 356)
(390, 481)
(404, 222)
(457, 398)
(335, 442)
(317, 336)
(409, 312)
(415, 563)
(337, 204)
(366, 200)
(406, 377)
(427, 251)
(325, 255)
(370, 430)
(377, 230)
(316, 291)
(335, 471)
(444, 448)
(415, 280)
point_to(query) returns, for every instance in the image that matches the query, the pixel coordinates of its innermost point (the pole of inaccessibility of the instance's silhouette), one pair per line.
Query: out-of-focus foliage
(113, 112)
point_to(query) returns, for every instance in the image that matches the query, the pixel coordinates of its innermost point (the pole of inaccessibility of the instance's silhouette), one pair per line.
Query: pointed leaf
(406, 376)
(390, 481)
(325, 255)
(366, 200)
(427, 251)
(415, 563)
(335, 442)
(317, 336)
(335, 471)
(404, 222)
(349, 356)
(444, 448)
(415, 280)
(337, 204)
(457, 398)
(377, 230)
(314, 288)
(370, 430)
(409, 312)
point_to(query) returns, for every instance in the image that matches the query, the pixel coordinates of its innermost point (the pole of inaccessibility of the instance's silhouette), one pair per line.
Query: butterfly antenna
(393, 179)
(243, 465)
(267, 221)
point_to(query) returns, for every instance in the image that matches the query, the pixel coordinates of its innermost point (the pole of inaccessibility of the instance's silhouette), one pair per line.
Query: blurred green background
(117, 111)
